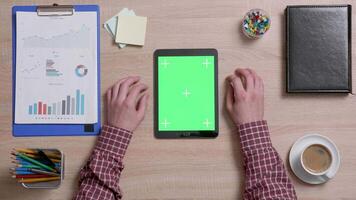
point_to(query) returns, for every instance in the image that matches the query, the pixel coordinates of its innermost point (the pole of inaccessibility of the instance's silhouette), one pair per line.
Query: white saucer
(300, 145)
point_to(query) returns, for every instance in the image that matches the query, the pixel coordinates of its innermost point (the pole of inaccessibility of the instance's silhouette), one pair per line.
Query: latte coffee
(316, 158)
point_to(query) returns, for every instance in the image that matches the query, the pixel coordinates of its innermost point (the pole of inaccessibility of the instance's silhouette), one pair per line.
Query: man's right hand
(245, 96)
(126, 103)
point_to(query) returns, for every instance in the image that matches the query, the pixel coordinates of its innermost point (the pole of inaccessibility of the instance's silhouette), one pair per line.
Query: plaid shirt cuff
(254, 137)
(114, 141)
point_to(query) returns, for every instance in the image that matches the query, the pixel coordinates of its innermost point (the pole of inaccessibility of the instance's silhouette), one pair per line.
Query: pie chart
(81, 71)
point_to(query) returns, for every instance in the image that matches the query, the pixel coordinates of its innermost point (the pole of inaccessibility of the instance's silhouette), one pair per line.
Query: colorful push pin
(256, 23)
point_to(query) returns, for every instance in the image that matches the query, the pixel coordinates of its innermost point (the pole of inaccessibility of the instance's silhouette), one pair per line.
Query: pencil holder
(38, 168)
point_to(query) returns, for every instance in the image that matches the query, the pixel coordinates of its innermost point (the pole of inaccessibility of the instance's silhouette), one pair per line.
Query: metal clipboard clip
(55, 10)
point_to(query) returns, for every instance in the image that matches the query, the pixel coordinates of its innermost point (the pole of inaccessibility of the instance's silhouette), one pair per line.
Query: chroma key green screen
(186, 99)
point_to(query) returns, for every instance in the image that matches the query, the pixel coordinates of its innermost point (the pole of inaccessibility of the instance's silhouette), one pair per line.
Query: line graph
(72, 39)
(31, 69)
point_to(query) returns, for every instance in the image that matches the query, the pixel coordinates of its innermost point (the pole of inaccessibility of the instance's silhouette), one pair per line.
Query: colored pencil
(29, 155)
(28, 166)
(52, 159)
(35, 167)
(22, 172)
(20, 162)
(36, 157)
(19, 169)
(19, 159)
(33, 151)
(52, 154)
(24, 150)
(32, 171)
(23, 162)
(34, 180)
(30, 176)
(44, 172)
(35, 162)
(55, 160)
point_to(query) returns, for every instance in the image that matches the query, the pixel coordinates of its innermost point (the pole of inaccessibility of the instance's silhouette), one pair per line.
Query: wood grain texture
(192, 169)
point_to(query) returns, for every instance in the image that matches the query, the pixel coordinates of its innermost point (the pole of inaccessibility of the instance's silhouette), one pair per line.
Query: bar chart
(69, 105)
(50, 69)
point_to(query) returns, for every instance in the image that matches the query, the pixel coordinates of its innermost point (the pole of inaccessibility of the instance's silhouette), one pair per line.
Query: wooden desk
(192, 169)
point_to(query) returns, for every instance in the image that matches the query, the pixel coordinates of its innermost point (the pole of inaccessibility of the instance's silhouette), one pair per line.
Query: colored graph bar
(40, 108)
(49, 110)
(54, 109)
(82, 104)
(30, 110)
(63, 107)
(68, 105)
(45, 109)
(59, 109)
(77, 104)
(53, 73)
(35, 108)
(72, 108)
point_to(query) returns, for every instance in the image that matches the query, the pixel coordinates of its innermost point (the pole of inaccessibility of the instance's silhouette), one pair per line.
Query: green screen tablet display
(186, 100)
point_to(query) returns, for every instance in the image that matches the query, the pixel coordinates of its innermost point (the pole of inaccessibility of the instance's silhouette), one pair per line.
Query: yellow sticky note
(132, 30)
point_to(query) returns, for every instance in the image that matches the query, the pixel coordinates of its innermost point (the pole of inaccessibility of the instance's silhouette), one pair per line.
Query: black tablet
(186, 93)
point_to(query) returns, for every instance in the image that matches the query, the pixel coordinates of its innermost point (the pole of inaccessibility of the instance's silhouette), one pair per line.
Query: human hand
(126, 103)
(245, 96)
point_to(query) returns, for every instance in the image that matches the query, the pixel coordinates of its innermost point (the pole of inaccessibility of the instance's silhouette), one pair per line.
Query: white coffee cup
(316, 159)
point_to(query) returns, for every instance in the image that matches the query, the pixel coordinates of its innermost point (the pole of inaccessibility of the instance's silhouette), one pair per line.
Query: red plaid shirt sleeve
(266, 177)
(99, 178)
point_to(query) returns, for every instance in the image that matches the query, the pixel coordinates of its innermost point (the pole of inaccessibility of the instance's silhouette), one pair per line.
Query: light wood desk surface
(192, 169)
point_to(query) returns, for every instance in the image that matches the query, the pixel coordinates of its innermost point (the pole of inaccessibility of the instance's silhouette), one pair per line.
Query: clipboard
(23, 130)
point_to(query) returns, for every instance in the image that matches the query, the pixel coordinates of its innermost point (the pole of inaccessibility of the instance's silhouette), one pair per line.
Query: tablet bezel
(185, 52)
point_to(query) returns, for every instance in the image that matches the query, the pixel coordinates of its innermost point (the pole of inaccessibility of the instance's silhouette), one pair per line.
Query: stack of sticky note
(126, 28)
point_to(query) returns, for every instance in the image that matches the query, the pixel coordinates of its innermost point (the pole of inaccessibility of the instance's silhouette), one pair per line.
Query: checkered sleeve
(266, 177)
(99, 178)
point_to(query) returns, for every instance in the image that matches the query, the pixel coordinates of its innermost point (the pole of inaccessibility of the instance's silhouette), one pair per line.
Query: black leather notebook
(319, 48)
